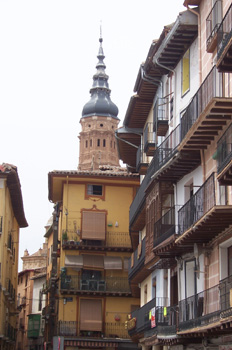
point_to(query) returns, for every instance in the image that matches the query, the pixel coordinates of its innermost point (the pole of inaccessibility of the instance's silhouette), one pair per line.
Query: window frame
(88, 195)
(186, 74)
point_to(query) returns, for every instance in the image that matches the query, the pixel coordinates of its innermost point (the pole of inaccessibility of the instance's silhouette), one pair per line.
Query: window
(104, 143)
(98, 142)
(40, 300)
(94, 190)
(154, 289)
(185, 73)
(90, 142)
(86, 143)
(91, 315)
(145, 294)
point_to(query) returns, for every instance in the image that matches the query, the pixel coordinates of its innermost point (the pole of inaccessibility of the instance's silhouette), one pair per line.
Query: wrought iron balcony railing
(164, 316)
(160, 116)
(136, 261)
(199, 204)
(167, 149)
(210, 88)
(224, 33)
(141, 163)
(212, 23)
(112, 240)
(76, 284)
(166, 226)
(109, 330)
(224, 149)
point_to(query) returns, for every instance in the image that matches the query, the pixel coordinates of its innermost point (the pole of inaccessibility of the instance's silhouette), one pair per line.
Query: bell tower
(99, 121)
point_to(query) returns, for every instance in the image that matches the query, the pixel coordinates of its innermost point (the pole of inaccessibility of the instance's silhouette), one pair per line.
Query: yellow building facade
(12, 218)
(94, 292)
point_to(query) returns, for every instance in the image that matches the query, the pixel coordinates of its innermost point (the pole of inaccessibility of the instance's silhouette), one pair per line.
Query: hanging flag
(153, 323)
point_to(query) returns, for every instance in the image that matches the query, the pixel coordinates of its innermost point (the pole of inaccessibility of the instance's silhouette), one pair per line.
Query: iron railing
(148, 136)
(224, 32)
(224, 149)
(199, 204)
(75, 283)
(165, 226)
(167, 149)
(225, 288)
(112, 240)
(138, 257)
(164, 316)
(210, 88)
(109, 330)
(213, 21)
(159, 111)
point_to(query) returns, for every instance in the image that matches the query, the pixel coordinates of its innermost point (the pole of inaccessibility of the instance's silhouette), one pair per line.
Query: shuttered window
(93, 225)
(112, 263)
(74, 261)
(90, 315)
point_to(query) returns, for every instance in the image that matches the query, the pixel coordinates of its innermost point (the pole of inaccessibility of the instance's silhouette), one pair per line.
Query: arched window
(104, 143)
(98, 142)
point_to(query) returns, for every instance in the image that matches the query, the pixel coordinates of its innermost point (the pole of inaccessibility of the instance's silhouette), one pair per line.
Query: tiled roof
(104, 171)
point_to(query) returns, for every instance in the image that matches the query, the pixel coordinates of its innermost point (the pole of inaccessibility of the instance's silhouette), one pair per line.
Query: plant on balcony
(64, 237)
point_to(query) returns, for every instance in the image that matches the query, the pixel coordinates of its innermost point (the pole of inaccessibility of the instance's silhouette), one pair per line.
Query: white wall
(38, 285)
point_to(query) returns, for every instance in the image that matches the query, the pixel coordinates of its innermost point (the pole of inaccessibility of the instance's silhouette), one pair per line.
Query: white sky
(48, 52)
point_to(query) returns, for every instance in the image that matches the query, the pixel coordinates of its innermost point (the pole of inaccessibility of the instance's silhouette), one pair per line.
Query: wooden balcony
(212, 24)
(203, 217)
(141, 164)
(224, 158)
(114, 241)
(160, 117)
(207, 114)
(137, 271)
(75, 284)
(149, 142)
(224, 43)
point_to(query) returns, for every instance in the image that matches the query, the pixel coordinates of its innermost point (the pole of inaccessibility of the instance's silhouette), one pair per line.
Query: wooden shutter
(90, 315)
(93, 261)
(112, 263)
(93, 225)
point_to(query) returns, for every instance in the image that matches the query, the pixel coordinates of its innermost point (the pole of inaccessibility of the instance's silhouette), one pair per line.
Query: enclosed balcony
(204, 216)
(33, 330)
(137, 208)
(212, 24)
(141, 163)
(224, 43)
(207, 114)
(224, 158)
(137, 271)
(209, 307)
(149, 142)
(163, 322)
(160, 117)
(75, 284)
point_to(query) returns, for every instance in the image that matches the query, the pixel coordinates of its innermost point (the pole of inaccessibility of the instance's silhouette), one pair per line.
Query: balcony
(149, 142)
(73, 284)
(224, 158)
(224, 43)
(204, 216)
(110, 330)
(160, 117)
(206, 115)
(113, 241)
(165, 319)
(9, 291)
(141, 164)
(212, 24)
(10, 332)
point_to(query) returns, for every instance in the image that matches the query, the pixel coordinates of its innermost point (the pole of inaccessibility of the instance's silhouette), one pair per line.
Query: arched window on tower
(104, 143)
(86, 143)
(111, 143)
(90, 142)
(98, 142)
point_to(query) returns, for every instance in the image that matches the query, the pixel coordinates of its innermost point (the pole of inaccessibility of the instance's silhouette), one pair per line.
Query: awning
(93, 261)
(112, 263)
(74, 261)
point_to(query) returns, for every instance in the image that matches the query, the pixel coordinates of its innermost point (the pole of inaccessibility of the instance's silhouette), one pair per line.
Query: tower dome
(100, 103)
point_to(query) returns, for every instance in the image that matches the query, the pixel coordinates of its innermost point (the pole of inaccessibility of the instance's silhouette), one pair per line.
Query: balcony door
(91, 315)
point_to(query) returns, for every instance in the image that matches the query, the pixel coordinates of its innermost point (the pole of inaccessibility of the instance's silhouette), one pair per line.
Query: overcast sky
(48, 52)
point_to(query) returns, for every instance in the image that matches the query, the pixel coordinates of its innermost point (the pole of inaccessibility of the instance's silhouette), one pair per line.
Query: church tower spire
(99, 121)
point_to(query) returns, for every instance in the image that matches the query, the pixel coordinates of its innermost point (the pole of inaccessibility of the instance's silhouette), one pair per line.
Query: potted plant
(64, 237)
